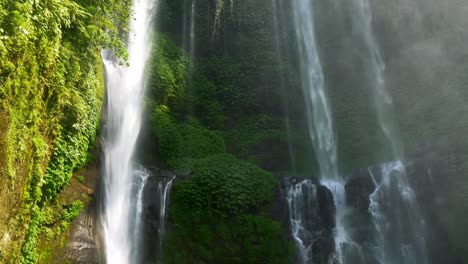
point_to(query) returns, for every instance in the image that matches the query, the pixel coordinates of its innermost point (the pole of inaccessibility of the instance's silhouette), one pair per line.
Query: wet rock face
(358, 189)
(322, 249)
(327, 208)
(81, 247)
(324, 246)
(311, 217)
(155, 209)
(279, 210)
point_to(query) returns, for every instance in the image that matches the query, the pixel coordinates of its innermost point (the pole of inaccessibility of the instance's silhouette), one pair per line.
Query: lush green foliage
(181, 144)
(212, 216)
(200, 101)
(51, 89)
(168, 78)
(242, 239)
(223, 185)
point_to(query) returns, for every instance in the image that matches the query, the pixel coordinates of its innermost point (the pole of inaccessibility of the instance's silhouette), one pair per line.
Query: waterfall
(399, 227)
(125, 89)
(320, 121)
(317, 109)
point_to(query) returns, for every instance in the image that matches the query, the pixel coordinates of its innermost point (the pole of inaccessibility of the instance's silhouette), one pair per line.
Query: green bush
(212, 216)
(168, 76)
(223, 185)
(181, 145)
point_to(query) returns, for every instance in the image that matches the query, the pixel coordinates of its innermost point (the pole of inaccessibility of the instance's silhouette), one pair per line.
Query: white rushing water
(125, 89)
(303, 211)
(317, 109)
(319, 116)
(164, 189)
(399, 227)
(141, 178)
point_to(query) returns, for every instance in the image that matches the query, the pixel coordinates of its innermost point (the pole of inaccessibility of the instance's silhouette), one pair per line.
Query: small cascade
(163, 191)
(340, 232)
(398, 228)
(303, 211)
(155, 196)
(141, 179)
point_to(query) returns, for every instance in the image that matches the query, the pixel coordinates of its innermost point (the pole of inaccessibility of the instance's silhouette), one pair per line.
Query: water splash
(302, 203)
(125, 89)
(399, 229)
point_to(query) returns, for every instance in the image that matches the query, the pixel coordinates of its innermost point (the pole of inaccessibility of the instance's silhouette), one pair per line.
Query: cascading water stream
(164, 189)
(317, 109)
(319, 121)
(125, 88)
(399, 227)
(303, 207)
(141, 178)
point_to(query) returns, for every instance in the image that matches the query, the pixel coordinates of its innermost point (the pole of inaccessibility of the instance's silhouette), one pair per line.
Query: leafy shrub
(168, 76)
(212, 220)
(180, 145)
(72, 211)
(166, 130)
(242, 239)
(223, 185)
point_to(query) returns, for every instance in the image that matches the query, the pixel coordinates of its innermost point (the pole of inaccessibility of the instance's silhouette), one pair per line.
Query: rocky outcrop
(82, 247)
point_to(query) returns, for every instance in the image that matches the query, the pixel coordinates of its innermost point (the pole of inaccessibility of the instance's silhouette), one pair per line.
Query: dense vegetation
(226, 197)
(216, 218)
(226, 108)
(208, 100)
(51, 89)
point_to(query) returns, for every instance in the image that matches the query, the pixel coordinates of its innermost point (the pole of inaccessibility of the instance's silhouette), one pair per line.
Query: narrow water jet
(141, 179)
(125, 86)
(163, 192)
